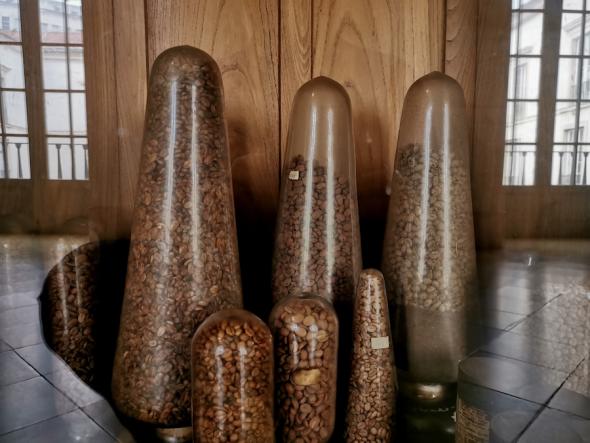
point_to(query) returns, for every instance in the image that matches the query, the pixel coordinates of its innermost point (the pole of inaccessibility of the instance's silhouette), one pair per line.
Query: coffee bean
(317, 247)
(183, 261)
(372, 388)
(232, 364)
(306, 368)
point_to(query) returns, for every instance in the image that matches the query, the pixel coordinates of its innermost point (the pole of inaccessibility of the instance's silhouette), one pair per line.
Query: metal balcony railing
(519, 167)
(566, 172)
(14, 152)
(67, 170)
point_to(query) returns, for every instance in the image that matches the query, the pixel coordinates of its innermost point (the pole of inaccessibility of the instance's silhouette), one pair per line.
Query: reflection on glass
(571, 30)
(587, 33)
(530, 33)
(55, 73)
(523, 78)
(76, 55)
(561, 164)
(2, 165)
(585, 91)
(525, 122)
(10, 25)
(519, 165)
(565, 122)
(532, 4)
(11, 61)
(79, 113)
(509, 122)
(14, 112)
(574, 5)
(567, 78)
(583, 165)
(81, 158)
(57, 109)
(60, 155)
(52, 21)
(19, 166)
(74, 11)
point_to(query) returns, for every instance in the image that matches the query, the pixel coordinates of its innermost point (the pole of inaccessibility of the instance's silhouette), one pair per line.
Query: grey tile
(75, 389)
(68, 428)
(500, 319)
(13, 369)
(574, 396)
(19, 336)
(515, 304)
(43, 359)
(12, 301)
(554, 426)
(537, 351)
(19, 316)
(102, 413)
(4, 347)
(28, 402)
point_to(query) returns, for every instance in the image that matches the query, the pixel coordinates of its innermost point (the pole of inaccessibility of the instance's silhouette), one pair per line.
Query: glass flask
(183, 259)
(429, 251)
(372, 387)
(317, 243)
(305, 330)
(232, 370)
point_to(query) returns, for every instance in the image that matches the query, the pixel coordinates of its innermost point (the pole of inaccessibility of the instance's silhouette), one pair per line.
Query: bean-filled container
(317, 240)
(429, 251)
(372, 386)
(232, 384)
(183, 259)
(305, 330)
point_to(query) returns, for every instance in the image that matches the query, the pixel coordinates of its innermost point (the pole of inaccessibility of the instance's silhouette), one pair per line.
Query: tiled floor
(531, 371)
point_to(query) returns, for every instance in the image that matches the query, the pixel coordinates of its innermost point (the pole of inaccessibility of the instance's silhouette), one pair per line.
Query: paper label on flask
(379, 342)
(294, 175)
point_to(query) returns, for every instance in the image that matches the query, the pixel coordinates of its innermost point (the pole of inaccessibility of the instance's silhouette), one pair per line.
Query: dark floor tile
(28, 402)
(511, 377)
(19, 336)
(553, 426)
(537, 351)
(511, 303)
(13, 369)
(4, 347)
(571, 402)
(42, 358)
(102, 413)
(19, 316)
(69, 428)
(11, 301)
(75, 389)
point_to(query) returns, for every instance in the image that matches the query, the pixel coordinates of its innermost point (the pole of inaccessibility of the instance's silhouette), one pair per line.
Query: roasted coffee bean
(317, 244)
(232, 364)
(70, 310)
(372, 388)
(183, 261)
(305, 329)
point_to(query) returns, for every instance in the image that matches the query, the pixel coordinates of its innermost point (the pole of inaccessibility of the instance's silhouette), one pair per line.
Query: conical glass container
(183, 260)
(317, 243)
(429, 250)
(232, 370)
(305, 331)
(372, 386)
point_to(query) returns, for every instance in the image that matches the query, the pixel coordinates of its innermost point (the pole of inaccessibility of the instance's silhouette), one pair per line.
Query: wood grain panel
(489, 121)
(461, 48)
(295, 56)
(101, 90)
(131, 78)
(242, 36)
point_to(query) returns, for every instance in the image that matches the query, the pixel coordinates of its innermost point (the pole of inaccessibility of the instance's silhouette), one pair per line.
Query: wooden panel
(295, 34)
(101, 90)
(131, 78)
(461, 48)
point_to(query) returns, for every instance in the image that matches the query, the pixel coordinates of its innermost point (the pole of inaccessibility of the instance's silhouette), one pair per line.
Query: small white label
(380, 342)
(294, 175)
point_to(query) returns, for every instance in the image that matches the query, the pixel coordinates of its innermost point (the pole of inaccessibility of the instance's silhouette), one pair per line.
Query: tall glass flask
(317, 245)
(429, 251)
(183, 260)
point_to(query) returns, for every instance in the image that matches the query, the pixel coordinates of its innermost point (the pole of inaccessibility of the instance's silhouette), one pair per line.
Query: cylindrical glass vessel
(429, 250)
(305, 329)
(183, 260)
(372, 387)
(232, 364)
(317, 244)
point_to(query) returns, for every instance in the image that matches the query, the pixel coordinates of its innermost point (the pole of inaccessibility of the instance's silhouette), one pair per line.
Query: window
(523, 93)
(61, 74)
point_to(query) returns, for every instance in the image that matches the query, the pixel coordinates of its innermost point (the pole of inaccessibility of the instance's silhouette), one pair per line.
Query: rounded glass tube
(232, 370)
(305, 330)
(429, 251)
(183, 260)
(317, 244)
